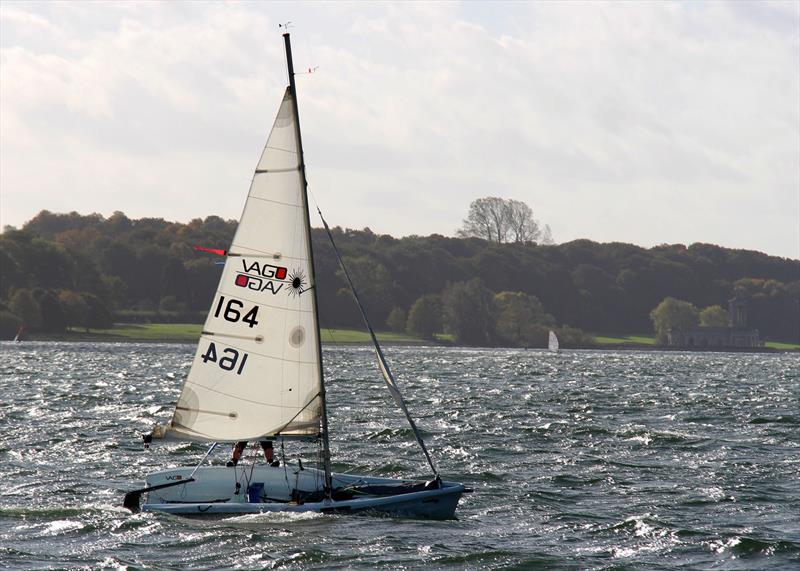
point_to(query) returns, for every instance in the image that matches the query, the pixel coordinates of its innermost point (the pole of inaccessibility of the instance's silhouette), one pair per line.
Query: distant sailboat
(257, 373)
(552, 343)
(20, 333)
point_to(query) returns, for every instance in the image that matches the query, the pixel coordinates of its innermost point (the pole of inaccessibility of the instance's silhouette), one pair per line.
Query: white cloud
(640, 122)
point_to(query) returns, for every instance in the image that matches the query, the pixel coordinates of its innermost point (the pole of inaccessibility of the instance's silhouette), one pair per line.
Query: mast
(326, 449)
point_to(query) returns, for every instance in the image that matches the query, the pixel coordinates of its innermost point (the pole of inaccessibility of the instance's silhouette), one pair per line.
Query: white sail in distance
(256, 371)
(552, 342)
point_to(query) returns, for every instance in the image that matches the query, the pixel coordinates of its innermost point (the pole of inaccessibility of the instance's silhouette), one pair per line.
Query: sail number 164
(233, 311)
(229, 359)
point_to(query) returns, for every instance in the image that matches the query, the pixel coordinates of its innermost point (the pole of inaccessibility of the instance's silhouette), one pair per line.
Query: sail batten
(273, 201)
(265, 171)
(256, 253)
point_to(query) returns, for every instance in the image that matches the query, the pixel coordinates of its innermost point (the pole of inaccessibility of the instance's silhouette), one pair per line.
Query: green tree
(11, 274)
(573, 337)
(30, 261)
(117, 289)
(98, 316)
(396, 320)
(374, 284)
(773, 307)
(119, 259)
(25, 306)
(521, 319)
(713, 316)
(469, 313)
(53, 318)
(503, 220)
(173, 280)
(76, 310)
(168, 303)
(9, 324)
(202, 276)
(601, 299)
(672, 313)
(425, 316)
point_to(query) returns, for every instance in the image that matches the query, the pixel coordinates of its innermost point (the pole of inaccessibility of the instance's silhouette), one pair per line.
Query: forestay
(256, 372)
(383, 365)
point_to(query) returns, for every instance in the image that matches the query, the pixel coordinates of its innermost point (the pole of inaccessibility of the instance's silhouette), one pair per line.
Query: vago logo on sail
(261, 277)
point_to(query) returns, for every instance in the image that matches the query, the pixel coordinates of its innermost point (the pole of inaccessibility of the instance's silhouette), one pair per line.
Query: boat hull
(213, 491)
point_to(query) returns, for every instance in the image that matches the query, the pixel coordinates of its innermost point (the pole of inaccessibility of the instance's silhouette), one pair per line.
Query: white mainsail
(552, 342)
(256, 372)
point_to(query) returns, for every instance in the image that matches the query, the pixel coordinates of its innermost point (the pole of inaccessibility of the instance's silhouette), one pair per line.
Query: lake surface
(579, 460)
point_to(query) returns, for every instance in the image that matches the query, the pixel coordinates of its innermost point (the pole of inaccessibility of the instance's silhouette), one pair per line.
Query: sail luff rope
(388, 376)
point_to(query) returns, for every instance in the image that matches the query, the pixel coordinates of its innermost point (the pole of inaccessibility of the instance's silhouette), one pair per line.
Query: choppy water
(582, 460)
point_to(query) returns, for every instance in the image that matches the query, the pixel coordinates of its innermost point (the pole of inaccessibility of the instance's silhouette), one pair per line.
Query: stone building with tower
(736, 335)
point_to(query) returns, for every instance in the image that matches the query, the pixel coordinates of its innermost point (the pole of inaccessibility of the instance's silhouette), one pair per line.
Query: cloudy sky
(643, 122)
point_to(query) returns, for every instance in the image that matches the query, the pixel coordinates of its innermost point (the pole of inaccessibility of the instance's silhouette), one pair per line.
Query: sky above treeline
(642, 122)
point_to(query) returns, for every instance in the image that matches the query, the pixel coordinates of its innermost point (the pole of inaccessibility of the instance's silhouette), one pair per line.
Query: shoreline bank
(355, 338)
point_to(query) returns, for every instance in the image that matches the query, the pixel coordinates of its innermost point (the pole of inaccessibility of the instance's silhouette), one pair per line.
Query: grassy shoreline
(189, 332)
(646, 342)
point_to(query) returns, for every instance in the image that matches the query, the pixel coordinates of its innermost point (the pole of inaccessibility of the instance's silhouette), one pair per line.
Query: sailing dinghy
(552, 342)
(257, 373)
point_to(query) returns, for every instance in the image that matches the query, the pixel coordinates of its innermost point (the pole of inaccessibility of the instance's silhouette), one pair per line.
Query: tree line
(85, 270)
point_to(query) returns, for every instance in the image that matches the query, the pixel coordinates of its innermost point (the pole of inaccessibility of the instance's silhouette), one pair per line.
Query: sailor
(266, 446)
(269, 453)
